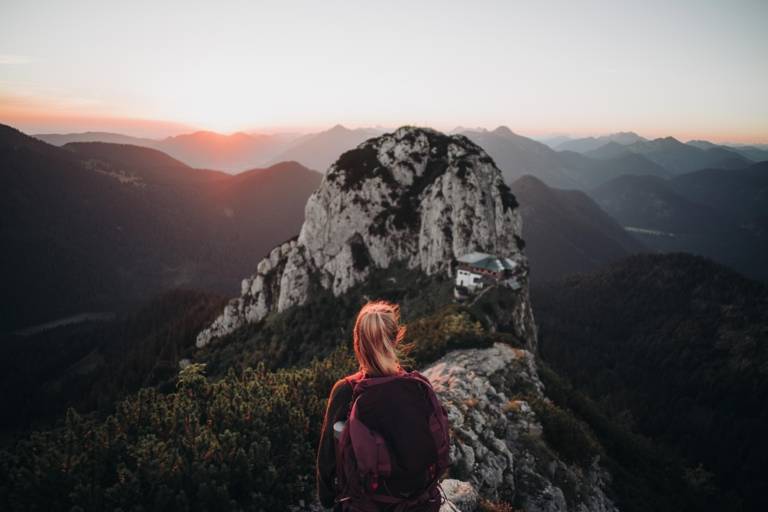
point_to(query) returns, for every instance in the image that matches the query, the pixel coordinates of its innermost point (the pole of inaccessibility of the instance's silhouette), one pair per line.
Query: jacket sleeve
(336, 410)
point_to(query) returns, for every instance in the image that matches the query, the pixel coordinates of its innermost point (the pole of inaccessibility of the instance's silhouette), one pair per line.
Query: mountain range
(238, 151)
(573, 163)
(94, 226)
(644, 353)
(719, 213)
(566, 232)
(675, 156)
(517, 155)
(591, 143)
(319, 150)
(640, 194)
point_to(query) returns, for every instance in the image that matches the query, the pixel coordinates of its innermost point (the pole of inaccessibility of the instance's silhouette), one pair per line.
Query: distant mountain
(674, 347)
(754, 153)
(741, 193)
(566, 232)
(610, 150)
(95, 226)
(517, 156)
(590, 172)
(319, 150)
(721, 214)
(554, 140)
(232, 153)
(649, 202)
(590, 143)
(59, 139)
(680, 158)
(668, 152)
(202, 149)
(144, 164)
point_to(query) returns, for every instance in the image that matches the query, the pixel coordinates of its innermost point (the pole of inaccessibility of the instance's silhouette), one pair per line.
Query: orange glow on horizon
(37, 117)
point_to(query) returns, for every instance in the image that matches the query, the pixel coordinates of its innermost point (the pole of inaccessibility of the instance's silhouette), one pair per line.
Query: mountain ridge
(125, 222)
(566, 231)
(415, 195)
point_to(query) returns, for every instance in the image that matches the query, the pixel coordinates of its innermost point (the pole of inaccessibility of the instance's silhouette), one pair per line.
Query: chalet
(478, 270)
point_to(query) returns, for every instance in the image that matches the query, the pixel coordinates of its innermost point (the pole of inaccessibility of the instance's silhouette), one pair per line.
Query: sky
(690, 69)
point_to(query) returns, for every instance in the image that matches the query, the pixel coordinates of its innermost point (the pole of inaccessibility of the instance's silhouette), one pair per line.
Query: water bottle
(338, 428)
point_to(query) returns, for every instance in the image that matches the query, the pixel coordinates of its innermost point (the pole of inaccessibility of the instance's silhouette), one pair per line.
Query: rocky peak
(504, 131)
(498, 447)
(415, 196)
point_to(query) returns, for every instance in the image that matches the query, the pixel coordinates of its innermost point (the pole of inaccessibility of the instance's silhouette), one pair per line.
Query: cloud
(14, 59)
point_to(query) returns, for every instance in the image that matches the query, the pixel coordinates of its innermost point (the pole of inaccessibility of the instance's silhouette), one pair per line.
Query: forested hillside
(104, 227)
(674, 347)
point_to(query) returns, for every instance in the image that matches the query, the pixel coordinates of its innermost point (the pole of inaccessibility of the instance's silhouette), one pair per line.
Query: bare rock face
(415, 196)
(498, 446)
(459, 496)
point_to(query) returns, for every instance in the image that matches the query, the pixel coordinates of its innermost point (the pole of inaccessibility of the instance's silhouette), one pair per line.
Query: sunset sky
(691, 69)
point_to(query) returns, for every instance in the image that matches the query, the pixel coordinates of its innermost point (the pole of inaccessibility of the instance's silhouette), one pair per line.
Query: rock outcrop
(498, 447)
(415, 196)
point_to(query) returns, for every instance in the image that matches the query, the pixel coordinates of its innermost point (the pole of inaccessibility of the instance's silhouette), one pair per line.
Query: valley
(293, 326)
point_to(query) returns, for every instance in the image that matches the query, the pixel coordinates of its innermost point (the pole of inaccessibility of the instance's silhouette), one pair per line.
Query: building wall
(470, 280)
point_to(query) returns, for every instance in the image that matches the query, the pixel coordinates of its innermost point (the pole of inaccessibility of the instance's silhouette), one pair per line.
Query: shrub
(451, 327)
(486, 505)
(570, 437)
(246, 441)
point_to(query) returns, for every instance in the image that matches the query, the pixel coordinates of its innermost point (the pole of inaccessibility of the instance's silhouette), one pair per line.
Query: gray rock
(415, 196)
(460, 496)
(497, 444)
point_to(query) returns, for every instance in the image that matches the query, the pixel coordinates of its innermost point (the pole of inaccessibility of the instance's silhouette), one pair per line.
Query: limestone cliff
(498, 448)
(415, 196)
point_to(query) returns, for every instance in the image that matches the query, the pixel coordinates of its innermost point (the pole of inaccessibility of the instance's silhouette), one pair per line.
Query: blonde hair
(376, 336)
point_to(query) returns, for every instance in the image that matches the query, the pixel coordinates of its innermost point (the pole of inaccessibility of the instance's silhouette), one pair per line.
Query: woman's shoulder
(343, 386)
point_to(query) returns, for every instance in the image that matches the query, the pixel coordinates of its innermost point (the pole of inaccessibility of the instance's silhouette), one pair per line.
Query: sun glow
(251, 66)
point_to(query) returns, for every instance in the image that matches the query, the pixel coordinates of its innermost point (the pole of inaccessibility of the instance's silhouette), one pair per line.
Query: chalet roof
(487, 261)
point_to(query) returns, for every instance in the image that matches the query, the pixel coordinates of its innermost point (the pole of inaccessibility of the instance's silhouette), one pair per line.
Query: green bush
(246, 441)
(569, 437)
(451, 327)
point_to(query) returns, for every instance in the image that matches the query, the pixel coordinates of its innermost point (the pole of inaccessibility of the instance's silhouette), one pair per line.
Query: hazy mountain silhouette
(591, 172)
(755, 153)
(202, 149)
(667, 152)
(59, 139)
(720, 213)
(517, 156)
(650, 202)
(741, 193)
(566, 231)
(680, 158)
(319, 150)
(232, 153)
(610, 150)
(97, 225)
(554, 140)
(147, 164)
(590, 143)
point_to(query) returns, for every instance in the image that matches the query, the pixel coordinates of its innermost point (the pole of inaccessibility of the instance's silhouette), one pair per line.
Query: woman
(393, 404)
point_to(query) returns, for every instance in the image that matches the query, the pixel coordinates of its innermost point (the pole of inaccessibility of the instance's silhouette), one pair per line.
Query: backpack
(363, 461)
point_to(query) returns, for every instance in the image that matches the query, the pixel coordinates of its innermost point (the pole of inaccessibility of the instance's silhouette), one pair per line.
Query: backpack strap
(438, 426)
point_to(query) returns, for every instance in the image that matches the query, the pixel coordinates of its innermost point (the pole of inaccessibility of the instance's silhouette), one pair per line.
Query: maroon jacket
(397, 410)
